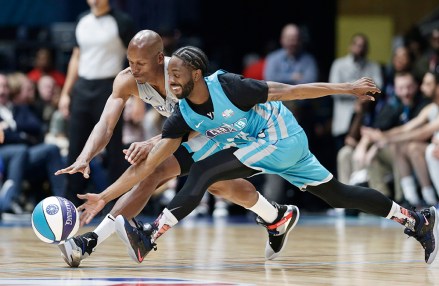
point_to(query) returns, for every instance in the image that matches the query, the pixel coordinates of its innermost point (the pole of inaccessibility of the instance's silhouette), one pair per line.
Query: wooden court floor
(320, 251)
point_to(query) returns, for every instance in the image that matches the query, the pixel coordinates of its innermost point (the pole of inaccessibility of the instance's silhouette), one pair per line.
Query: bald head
(145, 56)
(147, 41)
(290, 39)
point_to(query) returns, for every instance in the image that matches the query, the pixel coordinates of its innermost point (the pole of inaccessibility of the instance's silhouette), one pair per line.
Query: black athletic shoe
(77, 248)
(278, 231)
(137, 239)
(426, 232)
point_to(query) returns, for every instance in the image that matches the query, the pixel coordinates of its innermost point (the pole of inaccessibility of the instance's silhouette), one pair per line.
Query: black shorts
(184, 158)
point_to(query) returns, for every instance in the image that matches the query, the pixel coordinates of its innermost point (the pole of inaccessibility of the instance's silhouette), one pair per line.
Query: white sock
(401, 216)
(105, 228)
(409, 189)
(264, 209)
(429, 195)
(165, 221)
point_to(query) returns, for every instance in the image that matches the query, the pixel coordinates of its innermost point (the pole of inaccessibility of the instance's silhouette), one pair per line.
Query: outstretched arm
(132, 176)
(103, 130)
(136, 173)
(362, 88)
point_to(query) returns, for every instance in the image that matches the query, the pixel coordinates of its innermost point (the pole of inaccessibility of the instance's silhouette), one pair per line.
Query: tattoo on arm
(277, 91)
(156, 147)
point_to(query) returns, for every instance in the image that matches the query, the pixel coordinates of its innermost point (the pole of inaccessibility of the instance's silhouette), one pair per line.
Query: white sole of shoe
(268, 247)
(72, 260)
(436, 237)
(120, 230)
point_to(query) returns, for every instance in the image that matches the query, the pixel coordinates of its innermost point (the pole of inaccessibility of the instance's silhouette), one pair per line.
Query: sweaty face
(143, 65)
(180, 78)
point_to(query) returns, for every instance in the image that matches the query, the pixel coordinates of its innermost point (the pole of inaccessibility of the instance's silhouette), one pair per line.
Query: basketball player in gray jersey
(147, 78)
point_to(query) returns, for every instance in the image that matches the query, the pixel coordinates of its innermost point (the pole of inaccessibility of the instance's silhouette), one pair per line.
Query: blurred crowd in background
(391, 144)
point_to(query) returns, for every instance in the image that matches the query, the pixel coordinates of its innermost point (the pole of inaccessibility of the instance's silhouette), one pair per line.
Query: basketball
(55, 219)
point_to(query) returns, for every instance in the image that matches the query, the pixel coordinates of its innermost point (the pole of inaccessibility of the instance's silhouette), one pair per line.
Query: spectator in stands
(410, 141)
(14, 155)
(354, 65)
(290, 64)
(46, 102)
(42, 159)
(415, 42)
(402, 61)
(429, 61)
(410, 103)
(355, 155)
(43, 65)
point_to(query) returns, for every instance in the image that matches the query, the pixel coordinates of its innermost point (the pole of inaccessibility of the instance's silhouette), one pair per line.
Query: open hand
(78, 166)
(92, 206)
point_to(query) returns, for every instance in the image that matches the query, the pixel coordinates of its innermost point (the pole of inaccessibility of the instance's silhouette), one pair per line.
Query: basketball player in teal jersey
(259, 135)
(147, 78)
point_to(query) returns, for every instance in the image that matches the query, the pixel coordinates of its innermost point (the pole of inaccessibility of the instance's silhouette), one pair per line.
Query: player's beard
(186, 89)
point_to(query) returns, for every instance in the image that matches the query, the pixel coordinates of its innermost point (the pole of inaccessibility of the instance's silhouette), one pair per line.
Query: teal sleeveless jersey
(232, 126)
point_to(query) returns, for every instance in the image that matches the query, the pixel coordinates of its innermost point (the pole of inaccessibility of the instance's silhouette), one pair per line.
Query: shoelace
(141, 233)
(417, 234)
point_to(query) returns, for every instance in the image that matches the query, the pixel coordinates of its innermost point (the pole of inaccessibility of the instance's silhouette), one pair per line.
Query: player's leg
(81, 246)
(237, 191)
(308, 174)
(421, 225)
(221, 166)
(278, 219)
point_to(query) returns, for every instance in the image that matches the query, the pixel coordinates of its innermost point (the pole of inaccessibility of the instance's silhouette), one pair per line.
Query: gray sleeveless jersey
(149, 95)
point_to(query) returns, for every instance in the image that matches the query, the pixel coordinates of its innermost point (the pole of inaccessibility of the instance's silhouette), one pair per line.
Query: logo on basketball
(55, 219)
(52, 209)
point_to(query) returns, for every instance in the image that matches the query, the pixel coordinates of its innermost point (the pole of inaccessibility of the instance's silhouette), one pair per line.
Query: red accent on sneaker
(280, 222)
(139, 257)
(426, 220)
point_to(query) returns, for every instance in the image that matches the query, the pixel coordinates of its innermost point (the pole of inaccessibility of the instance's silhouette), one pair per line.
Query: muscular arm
(279, 91)
(103, 130)
(136, 173)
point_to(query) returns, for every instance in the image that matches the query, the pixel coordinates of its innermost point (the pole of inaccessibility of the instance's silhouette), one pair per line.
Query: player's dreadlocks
(193, 57)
